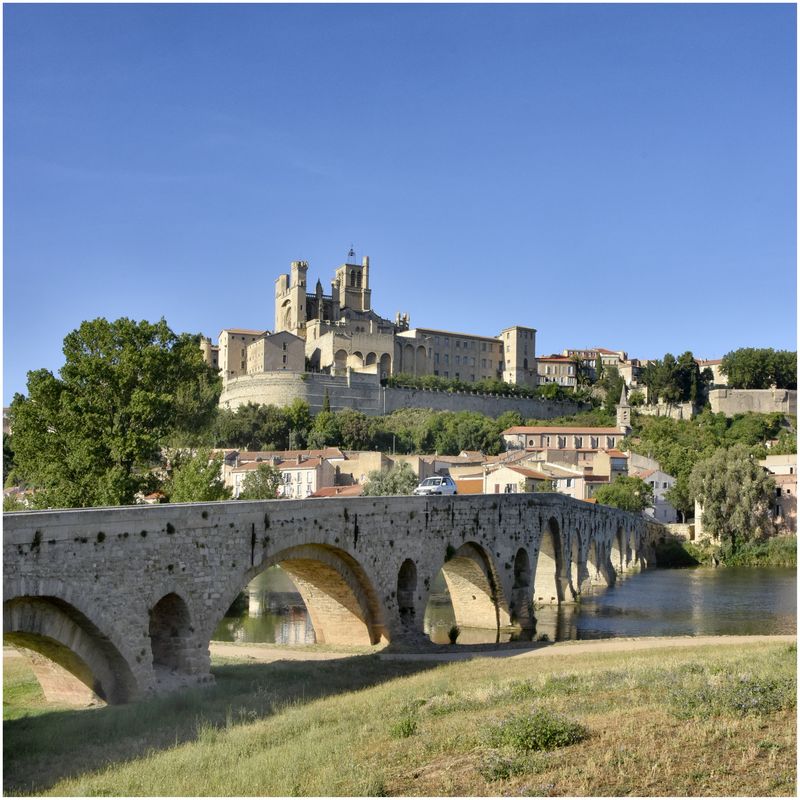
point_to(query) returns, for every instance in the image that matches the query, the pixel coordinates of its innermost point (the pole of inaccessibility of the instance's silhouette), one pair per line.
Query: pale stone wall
(762, 401)
(135, 593)
(671, 410)
(364, 393)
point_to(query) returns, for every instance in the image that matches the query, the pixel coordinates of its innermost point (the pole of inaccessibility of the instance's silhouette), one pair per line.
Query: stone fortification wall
(671, 410)
(762, 401)
(363, 392)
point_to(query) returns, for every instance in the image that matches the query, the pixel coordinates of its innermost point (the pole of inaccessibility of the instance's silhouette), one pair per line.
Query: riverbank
(644, 718)
(778, 551)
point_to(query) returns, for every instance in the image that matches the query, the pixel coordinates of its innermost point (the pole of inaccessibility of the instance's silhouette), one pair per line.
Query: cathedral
(337, 333)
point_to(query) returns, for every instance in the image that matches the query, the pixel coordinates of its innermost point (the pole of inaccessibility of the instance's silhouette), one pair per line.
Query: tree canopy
(760, 368)
(735, 493)
(261, 484)
(626, 492)
(89, 437)
(197, 479)
(399, 479)
(676, 380)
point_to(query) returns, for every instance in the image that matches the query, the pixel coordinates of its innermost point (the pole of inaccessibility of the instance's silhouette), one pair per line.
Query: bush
(404, 727)
(453, 634)
(734, 695)
(672, 553)
(540, 730)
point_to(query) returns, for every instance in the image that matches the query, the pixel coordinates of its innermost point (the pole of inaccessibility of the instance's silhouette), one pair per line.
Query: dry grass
(695, 721)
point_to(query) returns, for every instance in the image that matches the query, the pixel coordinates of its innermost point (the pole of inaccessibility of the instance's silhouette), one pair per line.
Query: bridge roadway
(118, 603)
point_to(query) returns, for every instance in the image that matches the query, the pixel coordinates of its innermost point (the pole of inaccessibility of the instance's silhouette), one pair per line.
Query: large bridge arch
(62, 634)
(475, 590)
(337, 592)
(549, 580)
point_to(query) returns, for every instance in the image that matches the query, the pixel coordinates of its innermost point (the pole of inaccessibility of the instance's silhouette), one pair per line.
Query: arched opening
(286, 314)
(406, 591)
(73, 660)
(371, 359)
(336, 600)
(356, 360)
(340, 360)
(352, 277)
(575, 569)
(595, 576)
(548, 582)
(408, 358)
(632, 552)
(421, 362)
(469, 592)
(170, 635)
(385, 366)
(520, 607)
(618, 551)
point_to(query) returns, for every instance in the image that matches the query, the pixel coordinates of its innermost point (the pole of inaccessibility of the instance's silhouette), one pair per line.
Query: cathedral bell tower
(624, 412)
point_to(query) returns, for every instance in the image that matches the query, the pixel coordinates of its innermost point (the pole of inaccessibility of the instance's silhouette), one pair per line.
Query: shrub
(735, 695)
(404, 727)
(539, 730)
(453, 634)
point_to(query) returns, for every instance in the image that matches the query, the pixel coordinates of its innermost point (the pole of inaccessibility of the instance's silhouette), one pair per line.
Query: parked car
(439, 484)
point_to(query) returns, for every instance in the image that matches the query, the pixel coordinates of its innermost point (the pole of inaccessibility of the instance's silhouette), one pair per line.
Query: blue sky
(621, 176)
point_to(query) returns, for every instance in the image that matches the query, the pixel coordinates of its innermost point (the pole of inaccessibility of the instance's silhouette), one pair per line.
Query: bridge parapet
(135, 593)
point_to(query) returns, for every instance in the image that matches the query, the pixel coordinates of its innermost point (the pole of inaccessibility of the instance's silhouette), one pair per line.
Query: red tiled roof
(243, 330)
(339, 491)
(616, 453)
(644, 474)
(527, 429)
(530, 473)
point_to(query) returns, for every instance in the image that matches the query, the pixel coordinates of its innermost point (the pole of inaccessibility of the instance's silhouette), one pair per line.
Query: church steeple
(624, 411)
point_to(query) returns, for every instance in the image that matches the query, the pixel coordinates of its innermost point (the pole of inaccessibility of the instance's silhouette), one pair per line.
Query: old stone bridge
(123, 602)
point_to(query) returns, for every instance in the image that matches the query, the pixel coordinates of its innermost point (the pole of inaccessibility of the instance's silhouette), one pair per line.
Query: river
(660, 602)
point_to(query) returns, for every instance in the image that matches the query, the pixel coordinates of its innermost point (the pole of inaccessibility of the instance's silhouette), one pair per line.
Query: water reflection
(686, 602)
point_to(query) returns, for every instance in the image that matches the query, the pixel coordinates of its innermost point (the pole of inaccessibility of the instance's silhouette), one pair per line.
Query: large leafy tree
(261, 484)
(760, 368)
(397, 480)
(735, 493)
(197, 479)
(88, 437)
(627, 493)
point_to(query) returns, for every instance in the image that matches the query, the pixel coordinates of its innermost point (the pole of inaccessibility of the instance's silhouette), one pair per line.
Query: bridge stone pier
(119, 603)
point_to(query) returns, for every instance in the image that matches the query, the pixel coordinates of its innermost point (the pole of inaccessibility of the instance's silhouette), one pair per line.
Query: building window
(458, 360)
(458, 343)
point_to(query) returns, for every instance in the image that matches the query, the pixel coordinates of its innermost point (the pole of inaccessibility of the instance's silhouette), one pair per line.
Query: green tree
(262, 483)
(89, 437)
(395, 481)
(735, 494)
(636, 398)
(197, 479)
(760, 368)
(324, 431)
(627, 493)
(611, 383)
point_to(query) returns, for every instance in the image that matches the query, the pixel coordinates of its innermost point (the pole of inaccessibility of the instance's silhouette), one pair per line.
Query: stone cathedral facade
(339, 334)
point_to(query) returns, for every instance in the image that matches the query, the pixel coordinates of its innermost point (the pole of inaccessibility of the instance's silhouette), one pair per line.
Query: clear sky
(621, 176)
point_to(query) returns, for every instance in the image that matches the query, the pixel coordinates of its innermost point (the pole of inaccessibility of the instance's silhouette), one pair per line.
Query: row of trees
(676, 380)
(760, 368)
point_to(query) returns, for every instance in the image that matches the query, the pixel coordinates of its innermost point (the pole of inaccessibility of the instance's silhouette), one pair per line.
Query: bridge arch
(407, 591)
(475, 590)
(548, 582)
(521, 590)
(171, 634)
(618, 551)
(82, 653)
(339, 596)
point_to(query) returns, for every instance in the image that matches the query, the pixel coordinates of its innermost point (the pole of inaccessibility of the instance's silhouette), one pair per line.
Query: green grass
(702, 721)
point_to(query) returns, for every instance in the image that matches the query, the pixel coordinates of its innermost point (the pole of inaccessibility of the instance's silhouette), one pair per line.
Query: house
(661, 510)
(513, 479)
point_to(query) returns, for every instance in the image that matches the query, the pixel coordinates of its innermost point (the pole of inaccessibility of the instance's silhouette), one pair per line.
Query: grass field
(696, 721)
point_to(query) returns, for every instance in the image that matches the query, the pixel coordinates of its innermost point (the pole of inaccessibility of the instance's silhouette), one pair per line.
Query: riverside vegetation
(691, 721)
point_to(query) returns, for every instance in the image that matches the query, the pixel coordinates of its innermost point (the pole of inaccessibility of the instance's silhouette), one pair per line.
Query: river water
(660, 602)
